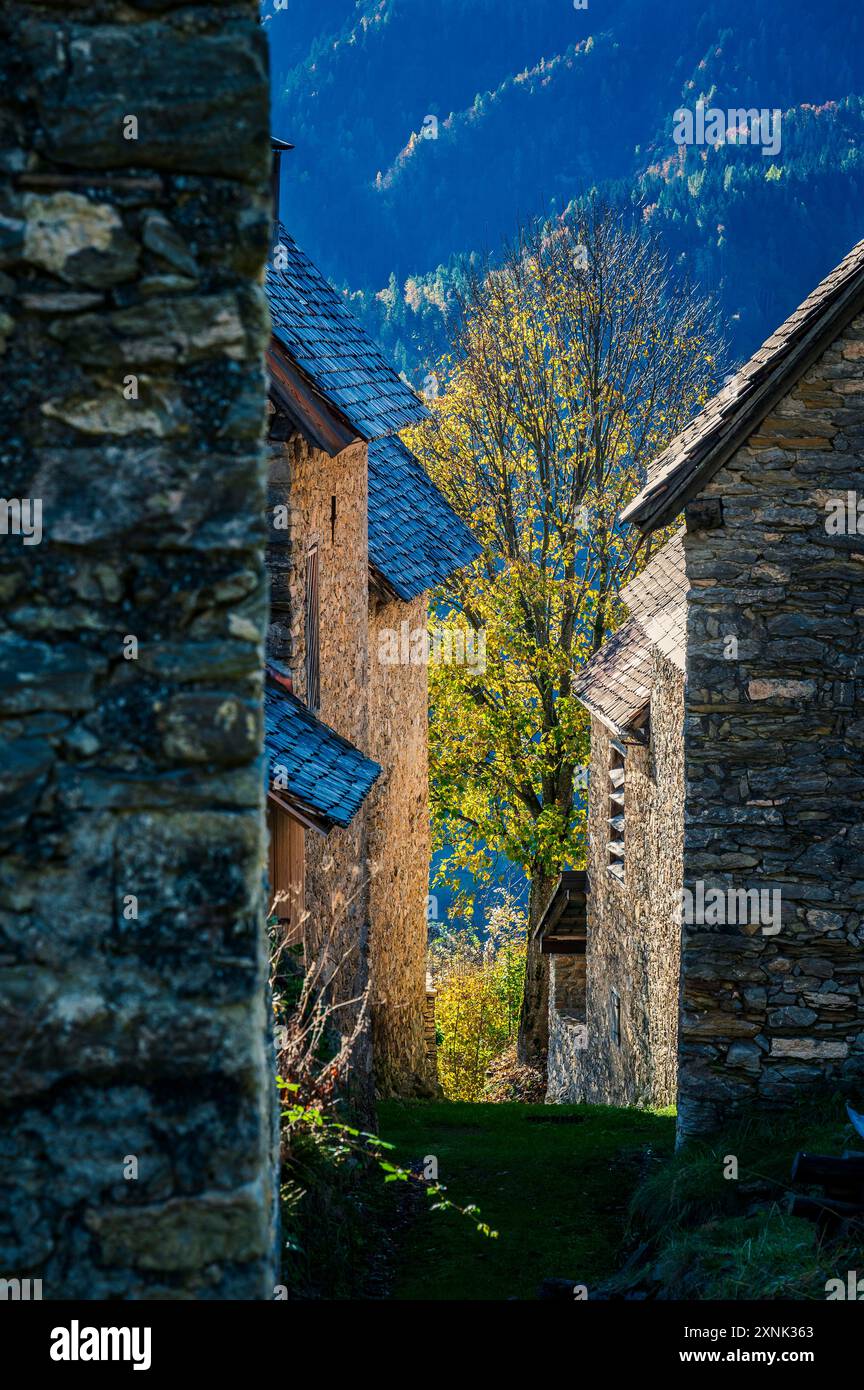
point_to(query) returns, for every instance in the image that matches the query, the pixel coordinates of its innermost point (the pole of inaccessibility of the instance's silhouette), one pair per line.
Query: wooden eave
(554, 944)
(563, 920)
(634, 732)
(381, 588)
(316, 418)
(308, 818)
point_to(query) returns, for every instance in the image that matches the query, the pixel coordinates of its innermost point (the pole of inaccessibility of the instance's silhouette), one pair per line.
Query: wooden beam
(324, 426)
(563, 945)
(552, 915)
(569, 898)
(828, 1171)
(825, 1209)
(306, 817)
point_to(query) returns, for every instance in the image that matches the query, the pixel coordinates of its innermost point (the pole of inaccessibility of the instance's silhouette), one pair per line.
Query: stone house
(358, 535)
(727, 736)
(613, 999)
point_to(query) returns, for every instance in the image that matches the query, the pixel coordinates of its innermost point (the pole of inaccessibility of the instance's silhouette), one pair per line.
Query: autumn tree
(575, 359)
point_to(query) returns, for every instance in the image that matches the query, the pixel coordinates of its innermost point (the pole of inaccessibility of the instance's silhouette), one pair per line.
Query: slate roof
(616, 683)
(657, 599)
(692, 459)
(325, 774)
(310, 320)
(415, 538)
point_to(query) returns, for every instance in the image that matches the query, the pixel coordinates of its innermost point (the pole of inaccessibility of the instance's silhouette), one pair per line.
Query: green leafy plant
(327, 1162)
(478, 982)
(342, 1141)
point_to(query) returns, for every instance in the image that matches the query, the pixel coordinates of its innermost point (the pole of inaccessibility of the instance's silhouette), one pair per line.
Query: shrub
(479, 982)
(331, 1220)
(768, 1255)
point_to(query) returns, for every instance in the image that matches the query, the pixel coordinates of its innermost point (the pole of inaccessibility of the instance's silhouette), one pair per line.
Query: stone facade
(774, 735)
(400, 850)
(138, 1100)
(633, 926)
(367, 884)
(304, 481)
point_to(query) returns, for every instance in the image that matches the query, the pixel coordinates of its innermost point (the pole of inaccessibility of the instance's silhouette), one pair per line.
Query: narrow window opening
(615, 843)
(332, 520)
(615, 1017)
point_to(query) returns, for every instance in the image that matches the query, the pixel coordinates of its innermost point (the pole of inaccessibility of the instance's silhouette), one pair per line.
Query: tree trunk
(534, 1020)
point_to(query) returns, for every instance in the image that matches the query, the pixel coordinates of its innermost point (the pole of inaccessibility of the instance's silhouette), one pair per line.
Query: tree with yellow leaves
(575, 359)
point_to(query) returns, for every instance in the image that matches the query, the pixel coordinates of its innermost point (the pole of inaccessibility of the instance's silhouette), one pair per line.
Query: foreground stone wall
(633, 927)
(773, 1008)
(137, 1102)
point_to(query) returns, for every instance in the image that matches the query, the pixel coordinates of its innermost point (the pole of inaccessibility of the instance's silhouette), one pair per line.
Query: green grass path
(554, 1181)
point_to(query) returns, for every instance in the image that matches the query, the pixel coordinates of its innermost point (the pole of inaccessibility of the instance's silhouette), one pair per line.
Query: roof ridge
(740, 406)
(313, 326)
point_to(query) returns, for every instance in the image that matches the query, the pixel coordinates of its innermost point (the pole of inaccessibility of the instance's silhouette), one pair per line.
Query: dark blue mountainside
(537, 104)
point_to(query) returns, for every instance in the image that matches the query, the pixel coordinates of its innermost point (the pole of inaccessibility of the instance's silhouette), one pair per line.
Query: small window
(617, 768)
(615, 1017)
(313, 677)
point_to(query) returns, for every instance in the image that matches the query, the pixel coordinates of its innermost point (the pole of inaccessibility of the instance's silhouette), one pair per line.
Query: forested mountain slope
(538, 104)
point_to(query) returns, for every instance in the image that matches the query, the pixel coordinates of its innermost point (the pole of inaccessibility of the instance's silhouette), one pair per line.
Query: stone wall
(633, 927)
(400, 849)
(774, 741)
(568, 1029)
(306, 480)
(136, 1143)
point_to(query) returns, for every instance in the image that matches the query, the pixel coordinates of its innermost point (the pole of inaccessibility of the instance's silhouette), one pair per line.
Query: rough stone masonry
(773, 742)
(136, 1137)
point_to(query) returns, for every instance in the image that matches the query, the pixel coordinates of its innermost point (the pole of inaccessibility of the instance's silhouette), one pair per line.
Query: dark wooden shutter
(313, 678)
(286, 870)
(615, 1016)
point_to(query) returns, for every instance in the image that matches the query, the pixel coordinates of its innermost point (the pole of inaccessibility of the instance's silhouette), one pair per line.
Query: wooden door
(286, 870)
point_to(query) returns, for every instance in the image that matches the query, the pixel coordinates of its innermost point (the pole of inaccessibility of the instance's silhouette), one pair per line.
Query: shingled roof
(615, 685)
(311, 768)
(415, 538)
(657, 599)
(336, 357)
(728, 420)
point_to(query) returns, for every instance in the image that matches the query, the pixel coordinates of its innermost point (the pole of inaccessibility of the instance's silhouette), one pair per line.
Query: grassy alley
(553, 1181)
